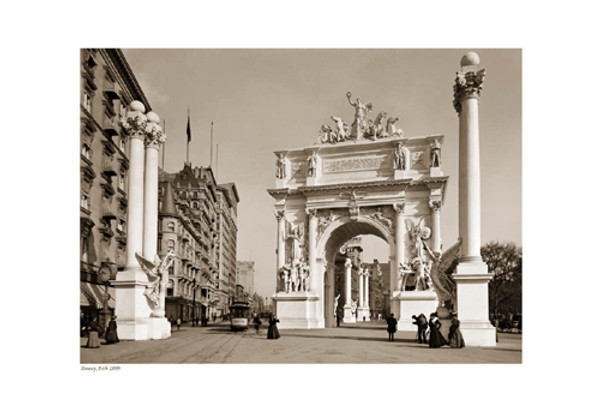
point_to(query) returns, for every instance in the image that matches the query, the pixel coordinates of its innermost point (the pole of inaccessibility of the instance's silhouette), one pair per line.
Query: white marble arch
(330, 241)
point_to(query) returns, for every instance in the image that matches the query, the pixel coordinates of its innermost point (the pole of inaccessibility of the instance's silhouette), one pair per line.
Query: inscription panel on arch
(352, 164)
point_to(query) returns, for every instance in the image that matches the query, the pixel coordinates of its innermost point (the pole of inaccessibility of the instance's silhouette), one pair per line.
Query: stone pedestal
(407, 304)
(311, 181)
(280, 183)
(297, 310)
(472, 304)
(132, 308)
(348, 316)
(364, 314)
(435, 172)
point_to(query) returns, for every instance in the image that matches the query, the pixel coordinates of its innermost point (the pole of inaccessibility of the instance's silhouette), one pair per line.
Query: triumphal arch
(367, 177)
(358, 179)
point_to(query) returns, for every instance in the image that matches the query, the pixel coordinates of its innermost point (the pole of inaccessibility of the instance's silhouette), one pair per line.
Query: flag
(188, 130)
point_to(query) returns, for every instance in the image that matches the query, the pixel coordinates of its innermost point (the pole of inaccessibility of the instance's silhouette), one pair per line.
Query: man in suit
(391, 323)
(421, 323)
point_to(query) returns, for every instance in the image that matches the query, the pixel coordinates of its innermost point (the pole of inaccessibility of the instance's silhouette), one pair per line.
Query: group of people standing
(436, 338)
(93, 328)
(272, 332)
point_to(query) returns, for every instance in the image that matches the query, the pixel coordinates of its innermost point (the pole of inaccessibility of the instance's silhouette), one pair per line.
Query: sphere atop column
(471, 58)
(153, 117)
(137, 106)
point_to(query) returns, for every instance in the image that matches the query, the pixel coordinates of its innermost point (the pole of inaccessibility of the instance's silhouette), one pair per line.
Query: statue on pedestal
(400, 156)
(359, 126)
(280, 173)
(442, 283)
(418, 233)
(304, 276)
(312, 165)
(158, 275)
(436, 154)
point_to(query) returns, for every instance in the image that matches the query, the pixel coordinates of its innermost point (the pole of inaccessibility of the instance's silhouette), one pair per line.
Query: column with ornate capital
(348, 316)
(315, 282)
(280, 215)
(364, 313)
(131, 307)
(436, 210)
(471, 275)
(400, 248)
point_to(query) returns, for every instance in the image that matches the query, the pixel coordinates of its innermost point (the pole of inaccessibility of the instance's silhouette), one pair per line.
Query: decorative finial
(471, 58)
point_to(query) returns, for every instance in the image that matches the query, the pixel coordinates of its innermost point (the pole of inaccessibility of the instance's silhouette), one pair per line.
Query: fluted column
(467, 91)
(348, 266)
(312, 251)
(471, 275)
(361, 288)
(280, 239)
(436, 210)
(367, 288)
(135, 125)
(154, 138)
(400, 248)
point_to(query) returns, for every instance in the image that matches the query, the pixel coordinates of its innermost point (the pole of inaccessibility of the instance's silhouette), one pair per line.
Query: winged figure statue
(157, 272)
(442, 283)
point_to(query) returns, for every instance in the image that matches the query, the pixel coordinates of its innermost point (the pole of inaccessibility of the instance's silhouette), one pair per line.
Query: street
(352, 343)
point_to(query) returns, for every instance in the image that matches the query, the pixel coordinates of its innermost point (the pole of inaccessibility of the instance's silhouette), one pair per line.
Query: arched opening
(343, 241)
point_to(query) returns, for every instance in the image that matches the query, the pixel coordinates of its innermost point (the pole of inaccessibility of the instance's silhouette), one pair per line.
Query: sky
(263, 100)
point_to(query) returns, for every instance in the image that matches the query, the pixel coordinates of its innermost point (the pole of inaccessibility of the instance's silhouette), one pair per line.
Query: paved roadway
(360, 343)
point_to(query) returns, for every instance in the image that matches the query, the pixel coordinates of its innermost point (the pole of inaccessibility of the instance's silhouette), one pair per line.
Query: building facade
(198, 220)
(108, 85)
(245, 275)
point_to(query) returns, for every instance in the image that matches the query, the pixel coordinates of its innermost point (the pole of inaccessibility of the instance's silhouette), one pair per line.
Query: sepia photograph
(300, 206)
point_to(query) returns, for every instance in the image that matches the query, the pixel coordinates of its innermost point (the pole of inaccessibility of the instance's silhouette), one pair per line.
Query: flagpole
(217, 163)
(164, 145)
(187, 151)
(211, 144)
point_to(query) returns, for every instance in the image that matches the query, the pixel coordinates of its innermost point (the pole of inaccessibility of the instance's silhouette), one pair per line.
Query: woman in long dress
(111, 332)
(435, 336)
(455, 337)
(273, 332)
(93, 340)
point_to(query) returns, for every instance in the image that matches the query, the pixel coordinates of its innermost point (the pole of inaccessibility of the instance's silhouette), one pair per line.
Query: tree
(504, 261)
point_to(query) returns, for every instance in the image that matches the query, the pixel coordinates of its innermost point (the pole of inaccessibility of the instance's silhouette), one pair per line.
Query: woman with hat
(93, 340)
(455, 337)
(435, 336)
(273, 332)
(111, 331)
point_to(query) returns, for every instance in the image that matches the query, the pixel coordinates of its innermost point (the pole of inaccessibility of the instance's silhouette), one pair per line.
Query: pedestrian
(421, 322)
(178, 323)
(273, 332)
(391, 327)
(93, 340)
(435, 336)
(337, 320)
(214, 317)
(257, 323)
(111, 332)
(197, 320)
(455, 337)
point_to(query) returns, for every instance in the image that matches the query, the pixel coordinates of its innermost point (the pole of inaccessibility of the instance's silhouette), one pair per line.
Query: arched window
(171, 245)
(171, 226)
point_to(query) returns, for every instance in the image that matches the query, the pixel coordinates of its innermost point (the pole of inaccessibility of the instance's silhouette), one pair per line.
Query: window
(85, 202)
(122, 181)
(87, 101)
(122, 144)
(84, 249)
(86, 151)
(171, 245)
(121, 225)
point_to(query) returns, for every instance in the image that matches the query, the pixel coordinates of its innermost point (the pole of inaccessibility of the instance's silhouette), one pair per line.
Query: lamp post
(194, 303)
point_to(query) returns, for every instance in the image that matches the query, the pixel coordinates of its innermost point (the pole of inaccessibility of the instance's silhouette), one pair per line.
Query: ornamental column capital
(311, 212)
(134, 124)
(279, 214)
(399, 207)
(154, 133)
(435, 206)
(467, 85)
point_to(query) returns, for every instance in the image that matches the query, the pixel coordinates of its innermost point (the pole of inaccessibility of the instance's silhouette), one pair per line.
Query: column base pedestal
(348, 316)
(364, 314)
(472, 279)
(297, 310)
(408, 303)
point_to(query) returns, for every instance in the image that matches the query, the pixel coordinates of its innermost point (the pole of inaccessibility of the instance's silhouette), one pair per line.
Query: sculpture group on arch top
(364, 129)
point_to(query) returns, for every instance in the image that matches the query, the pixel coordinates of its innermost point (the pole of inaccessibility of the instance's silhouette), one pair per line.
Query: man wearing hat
(391, 322)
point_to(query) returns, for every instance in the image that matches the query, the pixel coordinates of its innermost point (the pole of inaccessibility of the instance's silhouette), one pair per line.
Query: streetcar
(240, 315)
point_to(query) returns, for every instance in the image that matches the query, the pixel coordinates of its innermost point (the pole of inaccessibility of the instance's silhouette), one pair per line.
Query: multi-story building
(204, 244)
(245, 275)
(107, 86)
